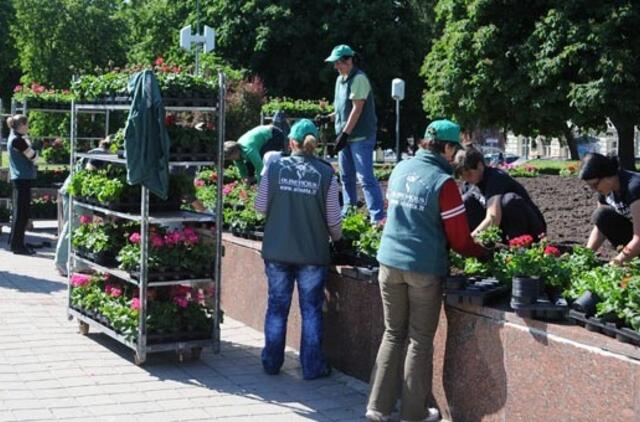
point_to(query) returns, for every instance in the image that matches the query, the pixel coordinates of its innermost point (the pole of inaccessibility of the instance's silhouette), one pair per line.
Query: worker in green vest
(299, 196)
(250, 149)
(426, 217)
(356, 126)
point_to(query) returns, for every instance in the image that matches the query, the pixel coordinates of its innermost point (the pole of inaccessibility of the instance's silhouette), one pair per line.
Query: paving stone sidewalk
(50, 372)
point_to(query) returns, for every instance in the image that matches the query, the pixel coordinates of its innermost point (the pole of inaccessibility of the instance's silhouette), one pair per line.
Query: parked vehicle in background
(494, 156)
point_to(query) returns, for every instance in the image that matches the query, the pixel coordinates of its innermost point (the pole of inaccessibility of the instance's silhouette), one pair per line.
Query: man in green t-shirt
(248, 152)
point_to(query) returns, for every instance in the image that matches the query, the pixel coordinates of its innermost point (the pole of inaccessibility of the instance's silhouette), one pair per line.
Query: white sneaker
(433, 415)
(375, 416)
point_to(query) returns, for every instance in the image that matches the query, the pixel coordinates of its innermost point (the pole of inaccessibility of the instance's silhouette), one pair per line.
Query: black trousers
(615, 227)
(21, 202)
(518, 215)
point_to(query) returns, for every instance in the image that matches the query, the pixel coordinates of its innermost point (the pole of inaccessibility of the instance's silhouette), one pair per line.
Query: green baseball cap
(443, 130)
(339, 52)
(301, 129)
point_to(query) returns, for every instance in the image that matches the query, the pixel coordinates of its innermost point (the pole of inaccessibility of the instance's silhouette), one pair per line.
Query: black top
(20, 143)
(498, 182)
(628, 194)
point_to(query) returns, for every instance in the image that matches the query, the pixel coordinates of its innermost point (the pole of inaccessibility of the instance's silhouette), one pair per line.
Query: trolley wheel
(137, 359)
(196, 352)
(83, 328)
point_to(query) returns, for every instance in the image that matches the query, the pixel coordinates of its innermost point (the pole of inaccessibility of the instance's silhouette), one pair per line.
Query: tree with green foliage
(560, 65)
(57, 38)
(9, 74)
(285, 43)
(594, 49)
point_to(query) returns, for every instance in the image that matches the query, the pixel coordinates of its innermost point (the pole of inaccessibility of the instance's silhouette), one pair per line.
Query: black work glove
(341, 141)
(488, 256)
(321, 119)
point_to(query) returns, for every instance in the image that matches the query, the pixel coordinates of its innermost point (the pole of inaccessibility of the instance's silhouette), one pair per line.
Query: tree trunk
(571, 142)
(626, 142)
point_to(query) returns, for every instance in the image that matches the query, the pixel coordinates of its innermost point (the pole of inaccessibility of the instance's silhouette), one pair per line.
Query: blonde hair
(308, 146)
(16, 121)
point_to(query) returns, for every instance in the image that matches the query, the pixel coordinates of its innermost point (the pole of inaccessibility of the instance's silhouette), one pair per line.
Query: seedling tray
(622, 334)
(543, 309)
(477, 292)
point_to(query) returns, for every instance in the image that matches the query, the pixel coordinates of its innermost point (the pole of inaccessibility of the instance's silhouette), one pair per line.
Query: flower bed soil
(566, 203)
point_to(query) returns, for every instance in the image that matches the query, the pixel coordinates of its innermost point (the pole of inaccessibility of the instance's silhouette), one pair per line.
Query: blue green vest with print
(413, 238)
(296, 230)
(20, 167)
(368, 122)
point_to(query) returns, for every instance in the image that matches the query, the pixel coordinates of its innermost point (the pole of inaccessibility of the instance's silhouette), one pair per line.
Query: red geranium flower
(159, 61)
(551, 250)
(523, 241)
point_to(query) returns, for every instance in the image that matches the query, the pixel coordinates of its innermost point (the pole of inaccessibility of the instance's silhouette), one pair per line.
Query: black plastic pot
(455, 283)
(525, 290)
(586, 303)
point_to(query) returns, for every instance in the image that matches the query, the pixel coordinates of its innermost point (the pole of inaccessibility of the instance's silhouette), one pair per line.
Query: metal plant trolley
(140, 345)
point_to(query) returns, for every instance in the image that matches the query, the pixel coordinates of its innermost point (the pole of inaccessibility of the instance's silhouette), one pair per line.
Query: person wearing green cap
(493, 198)
(251, 148)
(299, 196)
(355, 126)
(426, 217)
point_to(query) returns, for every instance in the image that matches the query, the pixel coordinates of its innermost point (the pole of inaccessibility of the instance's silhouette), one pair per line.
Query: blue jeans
(356, 161)
(311, 280)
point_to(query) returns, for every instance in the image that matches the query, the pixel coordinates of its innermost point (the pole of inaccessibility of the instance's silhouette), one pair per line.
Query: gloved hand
(321, 119)
(341, 141)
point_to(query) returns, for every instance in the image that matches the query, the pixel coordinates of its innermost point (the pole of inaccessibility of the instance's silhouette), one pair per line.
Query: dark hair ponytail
(16, 121)
(597, 166)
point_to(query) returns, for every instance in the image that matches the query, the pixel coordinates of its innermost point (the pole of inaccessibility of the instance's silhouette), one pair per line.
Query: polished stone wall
(489, 364)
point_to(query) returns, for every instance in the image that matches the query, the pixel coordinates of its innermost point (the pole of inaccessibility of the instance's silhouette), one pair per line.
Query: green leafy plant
(297, 108)
(383, 172)
(369, 241)
(5, 214)
(490, 237)
(353, 225)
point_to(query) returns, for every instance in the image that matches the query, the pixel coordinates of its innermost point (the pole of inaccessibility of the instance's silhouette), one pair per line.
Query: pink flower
(17, 88)
(85, 219)
(78, 280)
(198, 183)
(135, 303)
(159, 61)
(181, 301)
(116, 292)
(228, 188)
(134, 238)
(108, 288)
(156, 241)
(172, 238)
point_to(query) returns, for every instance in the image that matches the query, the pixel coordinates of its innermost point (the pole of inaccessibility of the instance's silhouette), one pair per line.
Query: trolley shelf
(144, 343)
(103, 328)
(113, 158)
(121, 274)
(127, 106)
(156, 217)
(126, 277)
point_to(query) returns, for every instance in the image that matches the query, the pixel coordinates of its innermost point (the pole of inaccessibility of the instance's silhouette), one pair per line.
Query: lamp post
(397, 93)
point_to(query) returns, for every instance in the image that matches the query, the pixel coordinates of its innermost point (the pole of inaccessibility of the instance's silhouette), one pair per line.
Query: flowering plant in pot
(44, 206)
(57, 152)
(98, 240)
